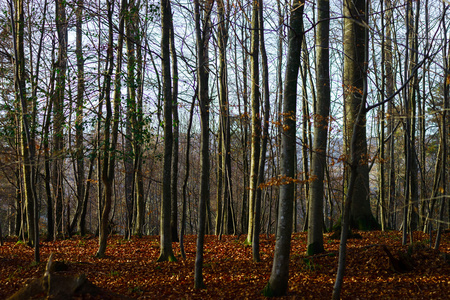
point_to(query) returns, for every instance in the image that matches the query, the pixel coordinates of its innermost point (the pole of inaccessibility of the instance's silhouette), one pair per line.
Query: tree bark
(354, 63)
(279, 277)
(175, 146)
(255, 121)
(318, 164)
(111, 122)
(166, 252)
(202, 33)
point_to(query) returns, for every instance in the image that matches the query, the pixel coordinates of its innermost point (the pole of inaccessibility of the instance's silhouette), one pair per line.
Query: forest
(275, 144)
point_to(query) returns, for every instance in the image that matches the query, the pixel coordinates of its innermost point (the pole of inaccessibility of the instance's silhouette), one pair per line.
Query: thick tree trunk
(354, 63)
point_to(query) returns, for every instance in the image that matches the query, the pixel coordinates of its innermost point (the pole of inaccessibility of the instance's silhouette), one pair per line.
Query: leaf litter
(130, 268)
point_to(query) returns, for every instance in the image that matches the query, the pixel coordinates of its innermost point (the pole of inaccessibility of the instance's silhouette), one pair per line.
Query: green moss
(267, 291)
(315, 248)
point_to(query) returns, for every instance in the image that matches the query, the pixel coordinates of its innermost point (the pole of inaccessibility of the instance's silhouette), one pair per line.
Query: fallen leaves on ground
(130, 267)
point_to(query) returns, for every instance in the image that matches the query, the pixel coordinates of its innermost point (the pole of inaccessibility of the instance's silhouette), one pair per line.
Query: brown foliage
(130, 268)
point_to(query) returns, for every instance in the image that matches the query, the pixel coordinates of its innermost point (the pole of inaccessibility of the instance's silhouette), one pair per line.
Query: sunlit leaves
(130, 267)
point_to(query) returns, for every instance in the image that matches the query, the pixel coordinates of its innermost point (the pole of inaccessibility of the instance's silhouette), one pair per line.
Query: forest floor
(130, 268)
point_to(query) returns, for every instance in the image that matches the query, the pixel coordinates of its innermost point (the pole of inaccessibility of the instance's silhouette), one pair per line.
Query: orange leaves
(229, 272)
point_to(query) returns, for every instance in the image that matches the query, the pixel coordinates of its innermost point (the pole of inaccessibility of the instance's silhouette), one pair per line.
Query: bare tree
(279, 277)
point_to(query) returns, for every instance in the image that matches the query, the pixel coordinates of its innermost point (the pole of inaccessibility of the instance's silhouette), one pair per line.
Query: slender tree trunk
(186, 177)
(444, 131)
(357, 150)
(202, 40)
(175, 147)
(256, 119)
(111, 123)
(27, 146)
(166, 252)
(278, 281)
(79, 135)
(58, 113)
(318, 164)
(264, 136)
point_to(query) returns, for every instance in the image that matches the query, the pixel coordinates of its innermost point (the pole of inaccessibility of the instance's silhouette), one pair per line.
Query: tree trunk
(79, 135)
(186, 177)
(111, 123)
(175, 146)
(264, 136)
(166, 252)
(58, 113)
(278, 281)
(354, 49)
(256, 120)
(319, 150)
(202, 40)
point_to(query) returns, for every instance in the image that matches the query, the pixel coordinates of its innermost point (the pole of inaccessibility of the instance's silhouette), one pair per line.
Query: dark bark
(166, 252)
(111, 123)
(279, 277)
(319, 151)
(202, 32)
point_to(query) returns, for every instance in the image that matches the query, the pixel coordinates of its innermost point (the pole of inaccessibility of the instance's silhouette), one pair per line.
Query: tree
(134, 106)
(27, 147)
(79, 135)
(166, 252)
(264, 136)
(111, 122)
(353, 83)
(202, 34)
(176, 135)
(278, 281)
(315, 226)
(58, 113)
(255, 121)
(356, 34)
